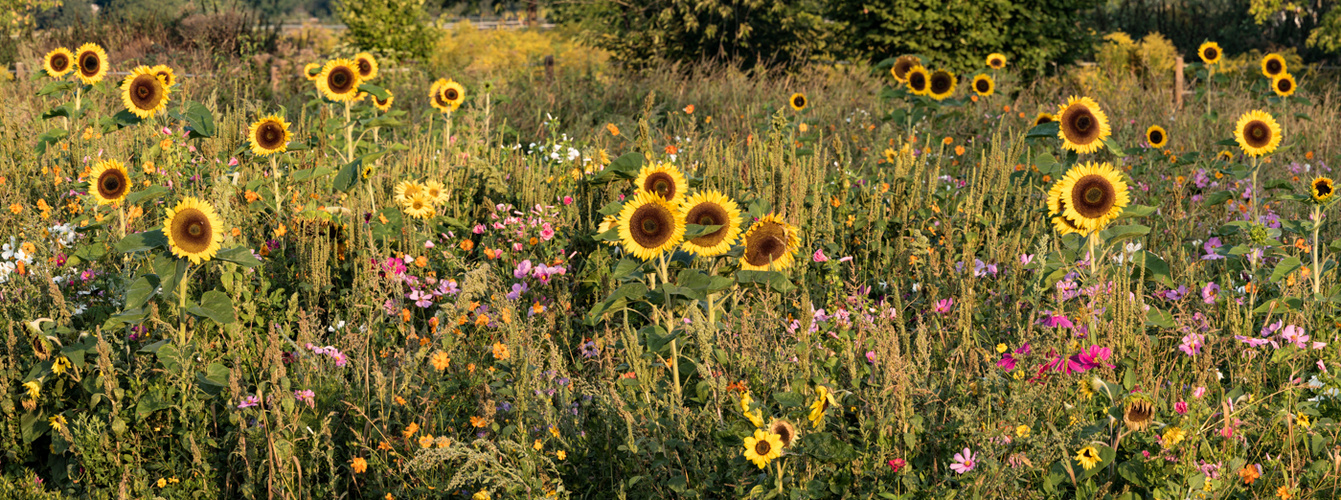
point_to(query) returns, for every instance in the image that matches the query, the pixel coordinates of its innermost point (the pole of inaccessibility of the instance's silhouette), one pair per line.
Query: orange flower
(1308, 155)
(671, 149)
(281, 231)
(1006, 108)
(689, 110)
(441, 361)
(482, 320)
(534, 241)
(16, 208)
(236, 232)
(421, 261)
(948, 140)
(836, 202)
(410, 430)
(537, 308)
(959, 150)
(433, 323)
(405, 315)
(1249, 474)
(1284, 492)
(384, 445)
(426, 441)
(359, 464)
(500, 351)
(708, 119)
(613, 129)
(973, 98)
(467, 245)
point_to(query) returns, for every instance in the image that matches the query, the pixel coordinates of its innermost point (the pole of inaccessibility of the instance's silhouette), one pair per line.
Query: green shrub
(395, 28)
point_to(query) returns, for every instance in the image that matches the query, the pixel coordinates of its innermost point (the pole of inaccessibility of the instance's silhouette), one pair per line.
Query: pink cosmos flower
(819, 256)
(943, 306)
(964, 461)
(1180, 407)
(897, 464)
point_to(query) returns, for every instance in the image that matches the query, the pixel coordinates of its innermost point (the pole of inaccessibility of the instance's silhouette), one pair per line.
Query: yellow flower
(1303, 421)
(58, 62)
(823, 399)
(649, 225)
(1088, 457)
(193, 230)
(537, 445)
(481, 495)
(109, 182)
(144, 93)
(446, 95)
(763, 447)
(57, 422)
(269, 135)
(91, 61)
(770, 245)
(996, 60)
(441, 361)
(1257, 133)
(339, 80)
(34, 388)
(1321, 190)
(1209, 52)
(500, 351)
(756, 416)
(410, 430)
(798, 101)
(359, 464)
(563, 455)
(426, 440)
(1089, 197)
(1082, 125)
(1000, 348)
(711, 208)
(162, 483)
(1022, 431)
(1173, 436)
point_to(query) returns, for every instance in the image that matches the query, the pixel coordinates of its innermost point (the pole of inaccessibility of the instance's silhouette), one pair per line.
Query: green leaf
(775, 280)
(215, 305)
(1050, 129)
(383, 122)
(1121, 233)
(148, 404)
(348, 176)
(1285, 267)
(56, 87)
(692, 231)
(612, 208)
(140, 242)
(624, 167)
(308, 174)
(1217, 198)
(140, 291)
(65, 110)
(625, 267)
(825, 447)
(1156, 268)
(171, 357)
(149, 193)
(703, 282)
(1113, 146)
(616, 301)
(49, 137)
(375, 90)
(238, 255)
(1137, 211)
(789, 399)
(199, 120)
(1156, 317)
(128, 317)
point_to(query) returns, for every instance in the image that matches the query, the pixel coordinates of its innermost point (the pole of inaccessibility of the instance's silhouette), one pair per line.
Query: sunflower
(366, 65)
(1140, 412)
(446, 95)
(1083, 125)
(996, 61)
(384, 106)
(786, 433)
(1257, 133)
(919, 79)
(339, 80)
(419, 206)
(1322, 190)
(58, 62)
(942, 84)
(711, 208)
(823, 400)
(1283, 84)
(1156, 136)
(1272, 65)
(1209, 52)
(763, 447)
(163, 72)
(983, 85)
(144, 93)
(901, 67)
(1044, 117)
(1092, 195)
(269, 135)
(607, 223)
(110, 182)
(194, 230)
(769, 245)
(650, 225)
(436, 192)
(798, 101)
(664, 180)
(1088, 457)
(1056, 207)
(406, 190)
(92, 63)
(1225, 156)
(311, 70)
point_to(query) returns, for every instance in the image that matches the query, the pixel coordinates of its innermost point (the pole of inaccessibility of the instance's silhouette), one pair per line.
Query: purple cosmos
(1209, 292)
(249, 402)
(1055, 320)
(1295, 335)
(1210, 247)
(1192, 344)
(943, 306)
(306, 396)
(517, 290)
(421, 298)
(1008, 360)
(523, 269)
(964, 462)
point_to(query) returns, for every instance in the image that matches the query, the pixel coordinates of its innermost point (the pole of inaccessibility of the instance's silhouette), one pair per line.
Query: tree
(395, 28)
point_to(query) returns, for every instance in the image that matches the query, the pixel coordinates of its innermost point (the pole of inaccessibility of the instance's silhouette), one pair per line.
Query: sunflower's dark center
(144, 91)
(650, 225)
(1089, 453)
(167, 77)
(766, 245)
(917, 81)
(191, 230)
(365, 67)
(1324, 188)
(1258, 134)
(112, 184)
(1156, 137)
(441, 98)
(451, 94)
(708, 214)
(59, 62)
(661, 184)
(783, 432)
(270, 135)
(901, 68)
(1274, 66)
(1043, 119)
(418, 204)
(379, 101)
(1140, 412)
(1284, 85)
(1093, 196)
(89, 63)
(941, 82)
(983, 86)
(799, 101)
(1211, 53)
(763, 447)
(1080, 125)
(341, 80)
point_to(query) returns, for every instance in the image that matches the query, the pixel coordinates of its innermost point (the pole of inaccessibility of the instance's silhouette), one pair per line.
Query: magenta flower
(1295, 335)
(943, 306)
(1180, 407)
(1210, 247)
(1199, 392)
(964, 461)
(897, 464)
(1192, 344)
(523, 269)
(819, 256)
(1008, 360)
(1209, 292)
(249, 402)
(306, 396)
(1055, 321)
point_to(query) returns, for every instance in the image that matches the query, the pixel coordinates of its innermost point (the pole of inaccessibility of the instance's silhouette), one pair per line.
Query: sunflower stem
(349, 135)
(447, 134)
(274, 173)
(1316, 271)
(779, 478)
(1256, 167)
(181, 304)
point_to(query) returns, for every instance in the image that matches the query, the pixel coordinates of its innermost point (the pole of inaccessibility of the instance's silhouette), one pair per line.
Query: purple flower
(1210, 247)
(517, 290)
(1008, 360)
(306, 396)
(1253, 342)
(1295, 335)
(1173, 295)
(1055, 321)
(1209, 292)
(1199, 392)
(589, 349)
(1192, 344)
(523, 269)
(964, 462)
(249, 402)
(421, 298)
(446, 287)
(943, 306)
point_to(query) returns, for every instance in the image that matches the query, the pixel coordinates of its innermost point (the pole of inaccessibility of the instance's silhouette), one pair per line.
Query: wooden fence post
(1178, 83)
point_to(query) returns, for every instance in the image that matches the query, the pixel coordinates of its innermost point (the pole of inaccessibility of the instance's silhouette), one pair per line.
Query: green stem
(1256, 167)
(181, 304)
(274, 174)
(349, 135)
(1316, 271)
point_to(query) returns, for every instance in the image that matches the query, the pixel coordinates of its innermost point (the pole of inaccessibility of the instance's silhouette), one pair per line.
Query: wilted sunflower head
(983, 85)
(58, 62)
(91, 61)
(664, 180)
(942, 84)
(711, 208)
(798, 101)
(901, 67)
(996, 60)
(109, 182)
(406, 190)
(384, 106)
(311, 71)
(1082, 125)
(785, 431)
(770, 244)
(1272, 65)
(339, 80)
(163, 72)
(1257, 133)
(366, 65)
(1139, 414)
(649, 225)
(194, 230)
(1209, 52)
(919, 80)
(144, 93)
(1156, 136)
(419, 206)
(1093, 194)
(269, 135)
(1043, 117)
(1283, 85)
(1321, 190)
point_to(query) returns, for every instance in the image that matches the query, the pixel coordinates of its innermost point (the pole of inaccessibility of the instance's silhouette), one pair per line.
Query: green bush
(396, 28)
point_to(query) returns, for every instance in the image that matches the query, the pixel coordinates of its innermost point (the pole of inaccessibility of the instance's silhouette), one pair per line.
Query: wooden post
(549, 69)
(1178, 83)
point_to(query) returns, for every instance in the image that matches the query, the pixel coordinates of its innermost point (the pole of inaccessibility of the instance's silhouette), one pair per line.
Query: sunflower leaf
(612, 208)
(775, 280)
(55, 87)
(241, 256)
(1137, 211)
(1049, 129)
(694, 230)
(48, 137)
(139, 242)
(199, 120)
(1285, 267)
(148, 193)
(66, 110)
(216, 306)
(624, 167)
(348, 175)
(375, 90)
(1217, 198)
(139, 292)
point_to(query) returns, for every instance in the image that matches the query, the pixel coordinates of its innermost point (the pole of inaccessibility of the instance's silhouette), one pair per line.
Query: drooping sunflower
(1044, 117)
(919, 80)
(58, 62)
(144, 93)
(91, 61)
(983, 85)
(770, 244)
(763, 447)
(406, 190)
(798, 101)
(1140, 412)
(269, 135)
(366, 65)
(649, 226)
(436, 192)
(996, 61)
(901, 67)
(1156, 136)
(109, 182)
(1083, 126)
(339, 80)
(1284, 85)
(1056, 207)
(711, 208)
(1273, 65)
(194, 230)
(163, 72)
(941, 84)
(1321, 190)
(311, 70)
(446, 95)
(1093, 194)
(1209, 52)
(1257, 133)
(384, 106)
(419, 206)
(786, 433)
(664, 180)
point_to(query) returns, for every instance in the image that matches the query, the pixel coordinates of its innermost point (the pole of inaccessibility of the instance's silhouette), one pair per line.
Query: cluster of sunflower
(420, 200)
(144, 92)
(1089, 195)
(1273, 67)
(339, 79)
(652, 223)
(940, 84)
(446, 95)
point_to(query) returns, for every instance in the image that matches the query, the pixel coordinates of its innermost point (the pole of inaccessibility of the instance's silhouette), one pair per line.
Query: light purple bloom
(1210, 247)
(1209, 292)
(964, 461)
(1192, 344)
(523, 269)
(249, 402)
(306, 396)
